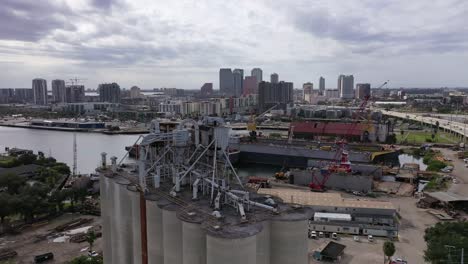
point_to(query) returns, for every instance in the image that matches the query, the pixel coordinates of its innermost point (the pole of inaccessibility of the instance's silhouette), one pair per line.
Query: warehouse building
(332, 213)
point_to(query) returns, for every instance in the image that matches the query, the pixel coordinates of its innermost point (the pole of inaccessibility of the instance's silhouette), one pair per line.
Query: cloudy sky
(178, 43)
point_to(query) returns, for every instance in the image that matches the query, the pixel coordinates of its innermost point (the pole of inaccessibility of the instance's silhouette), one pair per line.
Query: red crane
(341, 161)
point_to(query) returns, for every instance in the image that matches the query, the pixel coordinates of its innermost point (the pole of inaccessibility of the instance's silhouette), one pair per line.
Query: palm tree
(388, 249)
(90, 238)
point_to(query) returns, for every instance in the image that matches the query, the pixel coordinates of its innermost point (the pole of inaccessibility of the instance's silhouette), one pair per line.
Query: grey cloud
(355, 31)
(27, 20)
(105, 4)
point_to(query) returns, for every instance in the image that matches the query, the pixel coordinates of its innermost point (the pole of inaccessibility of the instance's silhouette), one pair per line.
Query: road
(457, 127)
(459, 171)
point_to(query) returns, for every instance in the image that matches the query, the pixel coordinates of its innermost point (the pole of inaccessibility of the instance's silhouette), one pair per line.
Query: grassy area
(420, 137)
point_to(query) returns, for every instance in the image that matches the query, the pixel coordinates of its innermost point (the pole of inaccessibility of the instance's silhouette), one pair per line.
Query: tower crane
(75, 81)
(341, 160)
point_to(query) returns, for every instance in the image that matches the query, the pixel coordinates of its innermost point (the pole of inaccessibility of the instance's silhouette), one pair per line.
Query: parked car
(370, 238)
(356, 239)
(93, 253)
(321, 234)
(334, 236)
(313, 234)
(43, 257)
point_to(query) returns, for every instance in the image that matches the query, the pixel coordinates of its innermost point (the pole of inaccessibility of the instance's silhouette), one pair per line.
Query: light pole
(449, 257)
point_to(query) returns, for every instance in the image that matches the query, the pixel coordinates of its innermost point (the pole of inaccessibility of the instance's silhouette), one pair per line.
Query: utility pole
(74, 154)
(462, 261)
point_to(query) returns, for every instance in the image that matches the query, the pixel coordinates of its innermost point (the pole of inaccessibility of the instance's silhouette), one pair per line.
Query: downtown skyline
(183, 45)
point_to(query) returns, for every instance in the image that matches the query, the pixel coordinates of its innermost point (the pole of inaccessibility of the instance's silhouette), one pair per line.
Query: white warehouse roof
(332, 216)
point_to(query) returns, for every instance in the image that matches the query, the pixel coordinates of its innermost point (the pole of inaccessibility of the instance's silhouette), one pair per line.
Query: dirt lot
(26, 247)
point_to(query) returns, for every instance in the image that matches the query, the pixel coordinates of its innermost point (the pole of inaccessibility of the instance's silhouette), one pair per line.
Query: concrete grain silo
(236, 245)
(154, 231)
(289, 238)
(106, 214)
(264, 243)
(122, 231)
(136, 222)
(172, 234)
(193, 238)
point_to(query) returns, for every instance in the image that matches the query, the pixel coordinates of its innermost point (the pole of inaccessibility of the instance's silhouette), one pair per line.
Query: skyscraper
(6, 95)
(206, 90)
(250, 85)
(135, 92)
(270, 94)
(258, 73)
(39, 87)
(307, 91)
(109, 92)
(238, 77)
(346, 86)
(363, 90)
(58, 91)
(322, 85)
(75, 93)
(226, 82)
(274, 78)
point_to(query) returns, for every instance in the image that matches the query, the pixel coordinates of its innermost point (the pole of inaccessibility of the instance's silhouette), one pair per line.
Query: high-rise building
(271, 94)
(363, 90)
(24, 95)
(206, 90)
(307, 91)
(75, 93)
(250, 85)
(109, 92)
(238, 78)
(135, 92)
(258, 73)
(6, 95)
(226, 82)
(39, 87)
(58, 91)
(274, 78)
(346, 86)
(322, 85)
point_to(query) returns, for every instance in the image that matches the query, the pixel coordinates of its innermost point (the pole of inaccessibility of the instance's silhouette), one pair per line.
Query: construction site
(183, 202)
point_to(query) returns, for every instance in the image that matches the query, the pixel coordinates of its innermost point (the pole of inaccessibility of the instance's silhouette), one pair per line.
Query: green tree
(90, 238)
(388, 249)
(27, 158)
(12, 182)
(33, 200)
(6, 205)
(87, 260)
(454, 234)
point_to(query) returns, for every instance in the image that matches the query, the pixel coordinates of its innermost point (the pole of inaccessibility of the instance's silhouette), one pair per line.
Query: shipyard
(233, 132)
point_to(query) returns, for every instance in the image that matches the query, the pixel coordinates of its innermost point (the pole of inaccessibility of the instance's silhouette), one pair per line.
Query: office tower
(109, 92)
(6, 95)
(135, 92)
(58, 91)
(271, 94)
(24, 95)
(322, 85)
(250, 85)
(346, 86)
(206, 90)
(238, 78)
(363, 90)
(226, 82)
(75, 93)
(39, 87)
(258, 73)
(307, 91)
(274, 78)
